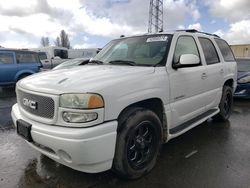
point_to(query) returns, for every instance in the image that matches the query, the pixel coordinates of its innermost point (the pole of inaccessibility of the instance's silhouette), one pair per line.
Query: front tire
(139, 138)
(226, 104)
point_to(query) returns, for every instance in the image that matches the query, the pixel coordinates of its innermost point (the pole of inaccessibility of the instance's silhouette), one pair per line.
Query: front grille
(44, 106)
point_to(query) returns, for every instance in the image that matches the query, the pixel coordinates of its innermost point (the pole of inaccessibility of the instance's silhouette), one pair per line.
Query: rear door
(27, 61)
(214, 74)
(8, 67)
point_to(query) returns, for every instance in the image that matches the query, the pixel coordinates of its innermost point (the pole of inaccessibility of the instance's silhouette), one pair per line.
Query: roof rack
(196, 31)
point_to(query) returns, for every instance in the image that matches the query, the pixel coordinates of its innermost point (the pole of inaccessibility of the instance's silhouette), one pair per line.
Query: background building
(241, 50)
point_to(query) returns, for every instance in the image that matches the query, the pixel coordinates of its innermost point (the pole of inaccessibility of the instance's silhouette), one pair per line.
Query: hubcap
(141, 145)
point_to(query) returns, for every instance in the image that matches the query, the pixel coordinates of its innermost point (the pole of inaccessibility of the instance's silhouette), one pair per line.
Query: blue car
(243, 87)
(17, 64)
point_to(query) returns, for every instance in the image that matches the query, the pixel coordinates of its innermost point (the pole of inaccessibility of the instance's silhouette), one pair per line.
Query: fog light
(79, 117)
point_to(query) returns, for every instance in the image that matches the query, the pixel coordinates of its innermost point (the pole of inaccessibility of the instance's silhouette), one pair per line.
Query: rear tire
(138, 142)
(226, 104)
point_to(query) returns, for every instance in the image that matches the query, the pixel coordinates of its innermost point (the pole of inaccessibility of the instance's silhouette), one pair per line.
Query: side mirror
(187, 60)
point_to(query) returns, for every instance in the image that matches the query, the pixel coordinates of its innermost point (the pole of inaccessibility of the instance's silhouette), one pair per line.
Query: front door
(186, 85)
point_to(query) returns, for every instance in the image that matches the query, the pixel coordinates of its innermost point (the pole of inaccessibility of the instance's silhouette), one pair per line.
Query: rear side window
(185, 45)
(225, 50)
(42, 55)
(6, 58)
(26, 57)
(209, 50)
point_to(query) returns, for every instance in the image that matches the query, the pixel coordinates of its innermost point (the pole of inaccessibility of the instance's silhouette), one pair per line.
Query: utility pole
(155, 23)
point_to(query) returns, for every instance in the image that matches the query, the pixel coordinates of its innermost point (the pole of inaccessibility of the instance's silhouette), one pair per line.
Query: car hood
(242, 74)
(87, 78)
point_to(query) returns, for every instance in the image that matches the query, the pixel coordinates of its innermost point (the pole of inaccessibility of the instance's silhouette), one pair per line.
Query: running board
(193, 122)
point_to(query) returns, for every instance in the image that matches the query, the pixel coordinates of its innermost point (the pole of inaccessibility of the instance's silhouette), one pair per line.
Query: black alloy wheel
(141, 145)
(139, 137)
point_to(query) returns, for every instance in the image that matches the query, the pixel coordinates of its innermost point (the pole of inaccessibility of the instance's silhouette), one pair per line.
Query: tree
(45, 41)
(57, 41)
(62, 40)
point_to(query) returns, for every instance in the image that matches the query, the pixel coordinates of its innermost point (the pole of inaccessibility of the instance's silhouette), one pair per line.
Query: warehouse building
(241, 50)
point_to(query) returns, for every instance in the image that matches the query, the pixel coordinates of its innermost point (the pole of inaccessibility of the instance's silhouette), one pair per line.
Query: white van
(52, 56)
(83, 53)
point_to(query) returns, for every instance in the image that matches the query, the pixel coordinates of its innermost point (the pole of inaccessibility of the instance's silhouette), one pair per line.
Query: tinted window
(209, 50)
(6, 58)
(61, 53)
(243, 65)
(26, 57)
(42, 55)
(185, 45)
(225, 50)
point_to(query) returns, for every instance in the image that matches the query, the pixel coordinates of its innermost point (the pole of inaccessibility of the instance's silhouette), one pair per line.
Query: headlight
(81, 101)
(244, 80)
(79, 117)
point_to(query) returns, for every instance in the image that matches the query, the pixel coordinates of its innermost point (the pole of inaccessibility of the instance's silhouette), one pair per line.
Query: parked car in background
(243, 87)
(17, 64)
(45, 60)
(72, 63)
(83, 53)
(52, 56)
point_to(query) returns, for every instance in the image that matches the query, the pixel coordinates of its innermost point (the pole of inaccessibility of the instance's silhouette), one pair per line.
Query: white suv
(136, 94)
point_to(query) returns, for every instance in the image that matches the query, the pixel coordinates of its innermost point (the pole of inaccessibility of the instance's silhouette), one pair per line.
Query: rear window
(6, 58)
(26, 57)
(243, 65)
(225, 50)
(209, 50)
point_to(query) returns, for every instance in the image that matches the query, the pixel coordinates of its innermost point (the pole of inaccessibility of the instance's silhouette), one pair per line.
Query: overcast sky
(92, 23)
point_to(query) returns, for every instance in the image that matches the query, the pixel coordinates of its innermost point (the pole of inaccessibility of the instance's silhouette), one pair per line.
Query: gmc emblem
(30, 103)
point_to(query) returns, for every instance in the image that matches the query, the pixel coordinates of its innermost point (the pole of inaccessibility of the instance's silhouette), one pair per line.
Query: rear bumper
(85, 149)
(242, 91)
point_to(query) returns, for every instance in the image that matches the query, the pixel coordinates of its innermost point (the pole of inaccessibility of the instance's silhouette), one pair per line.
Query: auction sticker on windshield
(157, 39)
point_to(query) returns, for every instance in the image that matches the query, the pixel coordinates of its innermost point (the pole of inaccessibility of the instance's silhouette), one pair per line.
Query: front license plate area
(24, 130)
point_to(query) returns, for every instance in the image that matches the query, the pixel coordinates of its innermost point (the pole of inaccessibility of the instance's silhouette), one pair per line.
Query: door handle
(221, 71)
(203, 76)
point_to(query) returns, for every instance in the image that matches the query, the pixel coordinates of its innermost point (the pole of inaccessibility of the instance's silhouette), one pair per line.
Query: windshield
(141, 50)
(243, 65)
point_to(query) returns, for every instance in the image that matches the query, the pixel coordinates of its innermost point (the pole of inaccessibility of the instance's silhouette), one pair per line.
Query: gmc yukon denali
(137, 93)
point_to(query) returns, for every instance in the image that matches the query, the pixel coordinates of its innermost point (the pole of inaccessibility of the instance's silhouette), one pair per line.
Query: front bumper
(242, 91)
(85, 149)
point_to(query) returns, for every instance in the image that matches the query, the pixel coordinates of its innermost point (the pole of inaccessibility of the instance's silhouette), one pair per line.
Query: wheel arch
(229, 82)
(22, 73)
(154, 104)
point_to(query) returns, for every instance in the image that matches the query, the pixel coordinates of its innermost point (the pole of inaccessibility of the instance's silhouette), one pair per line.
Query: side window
(42, 55)
(209, 50)
(225, 50)
(185, 45)
(26, 57)
(6, 58)
(61, 53)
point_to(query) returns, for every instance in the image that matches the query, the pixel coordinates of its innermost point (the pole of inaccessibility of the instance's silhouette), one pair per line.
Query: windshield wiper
(96, 62)
(126, 62)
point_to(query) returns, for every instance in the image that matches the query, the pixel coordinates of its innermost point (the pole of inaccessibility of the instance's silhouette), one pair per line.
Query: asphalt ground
(212, 155)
